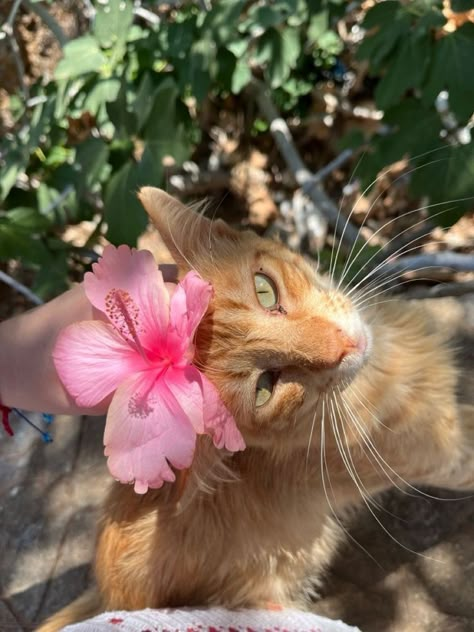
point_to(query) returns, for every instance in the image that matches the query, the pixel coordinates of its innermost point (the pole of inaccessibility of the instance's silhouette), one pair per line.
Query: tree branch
(280, 131)
(48, 19)
(454, 261)
(444, 289)
(7, 31)
(19, 287)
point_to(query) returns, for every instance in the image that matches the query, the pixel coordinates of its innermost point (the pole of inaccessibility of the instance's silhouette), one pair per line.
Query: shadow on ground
(49, 502)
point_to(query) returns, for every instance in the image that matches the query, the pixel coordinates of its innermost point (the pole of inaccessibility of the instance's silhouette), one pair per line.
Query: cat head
(276, 336)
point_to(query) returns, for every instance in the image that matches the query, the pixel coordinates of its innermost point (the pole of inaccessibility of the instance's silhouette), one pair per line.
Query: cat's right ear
(187, 234)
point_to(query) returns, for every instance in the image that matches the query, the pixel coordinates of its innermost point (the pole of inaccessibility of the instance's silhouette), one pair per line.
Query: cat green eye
(266, 290)
(264, 388)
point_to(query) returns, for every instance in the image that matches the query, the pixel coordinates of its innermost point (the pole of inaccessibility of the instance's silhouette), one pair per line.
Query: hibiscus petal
(205, 409)
(198, 296)
(128, 287)
(186, 386)
(188, 305)
(92, 360)
(218, 421)
(146, 431)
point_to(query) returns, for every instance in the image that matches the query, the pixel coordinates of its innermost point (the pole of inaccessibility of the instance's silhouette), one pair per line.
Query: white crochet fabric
(210, 620)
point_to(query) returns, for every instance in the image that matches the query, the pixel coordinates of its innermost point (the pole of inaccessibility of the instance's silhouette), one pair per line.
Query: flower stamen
(123, 313)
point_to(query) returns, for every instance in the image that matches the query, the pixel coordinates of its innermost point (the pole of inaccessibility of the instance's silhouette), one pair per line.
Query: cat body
(360, 401)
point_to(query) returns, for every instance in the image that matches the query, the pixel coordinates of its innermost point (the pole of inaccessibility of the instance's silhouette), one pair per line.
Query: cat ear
(186, 233)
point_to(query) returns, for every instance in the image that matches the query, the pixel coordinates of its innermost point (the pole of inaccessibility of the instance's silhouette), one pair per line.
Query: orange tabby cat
(333, 404)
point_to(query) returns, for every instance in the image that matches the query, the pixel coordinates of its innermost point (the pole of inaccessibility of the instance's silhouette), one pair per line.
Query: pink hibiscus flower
(144, 353)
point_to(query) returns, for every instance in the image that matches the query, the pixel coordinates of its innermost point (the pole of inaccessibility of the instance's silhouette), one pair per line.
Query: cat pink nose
(348, 345)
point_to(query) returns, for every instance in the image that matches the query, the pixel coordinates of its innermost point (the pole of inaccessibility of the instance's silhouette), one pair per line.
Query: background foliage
(129, 96)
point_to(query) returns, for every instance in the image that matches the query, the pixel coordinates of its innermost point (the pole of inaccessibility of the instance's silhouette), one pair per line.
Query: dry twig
(324, 207)
(19, 287)
(444, 289)
(447, 260)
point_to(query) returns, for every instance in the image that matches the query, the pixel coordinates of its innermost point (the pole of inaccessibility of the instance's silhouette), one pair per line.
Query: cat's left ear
(186, 233)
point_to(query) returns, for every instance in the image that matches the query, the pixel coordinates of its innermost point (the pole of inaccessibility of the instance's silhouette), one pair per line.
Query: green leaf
(112, 21)
(351, 140)
(447, 175)
(124, 214)
(460, 6)
(260, 18)
(318, 25)
(40, 123)
(14, 162)
(18, 242)
(225, 64)
(91, 159)
(16, 106)
(102, 92)
(264, 48)
(406, 70)
(238, 48)
(178, 37)
(46, 197)
(163, 135)
(331, 43)
(393, 23)
(285, 49)
(222, 19)
(81, 56)
(241, 76)
(287, 7)
(27, 218)
(415, 130)
(453, 57)
(198, 65)
(144, 100)
(434, 19)
(52, 274)
(300, 14)
(297, 87)
(57, 156)
(381, 14)
(125, 122)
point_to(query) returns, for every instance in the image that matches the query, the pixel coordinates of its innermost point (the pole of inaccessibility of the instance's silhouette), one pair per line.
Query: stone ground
(50, 494)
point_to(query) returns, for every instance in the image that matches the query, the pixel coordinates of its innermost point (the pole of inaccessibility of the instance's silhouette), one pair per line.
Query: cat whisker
(325, 468)
(358, 395)
(383, 463)
(348, 461)
(312, 429)
(391, 285)
(381, 175)
(332, 261)
(368, 505)
(403, 250)
(375, 452)
(367, 298)
(387, 278)
(223, 198)
(175, 243)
